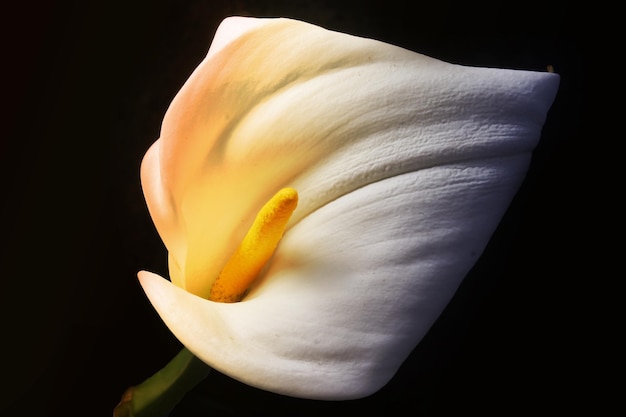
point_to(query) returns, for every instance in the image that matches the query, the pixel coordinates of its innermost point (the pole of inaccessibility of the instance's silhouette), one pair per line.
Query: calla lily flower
(403, 166)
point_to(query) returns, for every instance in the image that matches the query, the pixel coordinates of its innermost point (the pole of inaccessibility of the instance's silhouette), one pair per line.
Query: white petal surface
(404, 166)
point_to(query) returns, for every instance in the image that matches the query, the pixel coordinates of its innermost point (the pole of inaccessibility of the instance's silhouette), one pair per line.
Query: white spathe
(404, 166)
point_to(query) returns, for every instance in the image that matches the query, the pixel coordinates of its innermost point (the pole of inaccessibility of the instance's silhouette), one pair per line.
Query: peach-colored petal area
(279, 102)
(353, 287)
(232, 28)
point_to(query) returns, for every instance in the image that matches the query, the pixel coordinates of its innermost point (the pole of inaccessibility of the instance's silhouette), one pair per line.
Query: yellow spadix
(256, 248)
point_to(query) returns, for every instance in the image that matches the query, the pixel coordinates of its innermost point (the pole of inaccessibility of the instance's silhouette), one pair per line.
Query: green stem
(159, 394)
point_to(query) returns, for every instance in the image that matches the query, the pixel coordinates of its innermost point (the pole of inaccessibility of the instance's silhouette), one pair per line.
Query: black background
(85, 87)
